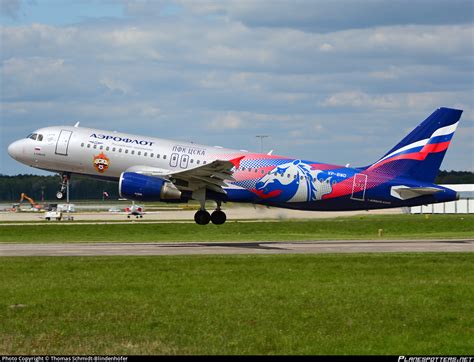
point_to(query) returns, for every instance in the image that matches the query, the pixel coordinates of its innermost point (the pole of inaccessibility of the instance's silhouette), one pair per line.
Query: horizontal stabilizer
(405, 192)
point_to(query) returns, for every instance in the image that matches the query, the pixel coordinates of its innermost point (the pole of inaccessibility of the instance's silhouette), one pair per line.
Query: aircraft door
(63, 142)
(184, 161)
(359, 185)
(174, 160)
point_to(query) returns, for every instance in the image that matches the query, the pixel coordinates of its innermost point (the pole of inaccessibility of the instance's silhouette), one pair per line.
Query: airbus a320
(153, 169)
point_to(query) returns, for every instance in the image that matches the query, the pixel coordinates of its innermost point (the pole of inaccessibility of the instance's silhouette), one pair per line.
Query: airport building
(465, 204)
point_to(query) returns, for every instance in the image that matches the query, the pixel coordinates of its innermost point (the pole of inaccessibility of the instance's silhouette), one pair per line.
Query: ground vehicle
(53, 215)
(23, 197)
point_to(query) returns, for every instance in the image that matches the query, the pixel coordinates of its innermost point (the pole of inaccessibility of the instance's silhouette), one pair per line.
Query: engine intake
(135, 186)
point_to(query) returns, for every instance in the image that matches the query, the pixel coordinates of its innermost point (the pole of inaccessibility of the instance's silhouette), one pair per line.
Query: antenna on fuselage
(77, 124)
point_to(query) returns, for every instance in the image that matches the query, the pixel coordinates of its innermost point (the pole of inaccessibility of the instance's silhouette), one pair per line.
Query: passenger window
(145, 154)
(198, 162)
(107, 148)
(101, 147)
(95, 146)
(139, 153)
(157, 155)
(289, 175)
(204, 162)
(192, 161)
(113, 149)
(152, 154)
(126, 151)
(120, 150)
(263, 172)
(82, 144)
(133, 152)
(164, 157)
(88, 145)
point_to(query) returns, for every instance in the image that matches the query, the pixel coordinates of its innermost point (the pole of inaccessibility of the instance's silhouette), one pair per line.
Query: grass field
(273, 304)
(355, 227)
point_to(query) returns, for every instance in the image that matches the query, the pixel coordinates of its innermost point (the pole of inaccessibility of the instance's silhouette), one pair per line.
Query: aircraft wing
(405, 192)
(211, 176)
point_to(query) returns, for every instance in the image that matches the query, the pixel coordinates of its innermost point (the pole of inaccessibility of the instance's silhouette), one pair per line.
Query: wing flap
(211, 176)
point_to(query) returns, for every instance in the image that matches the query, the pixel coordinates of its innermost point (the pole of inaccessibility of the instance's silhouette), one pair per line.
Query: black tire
(59, 195)
(202, 217)
(218, 217)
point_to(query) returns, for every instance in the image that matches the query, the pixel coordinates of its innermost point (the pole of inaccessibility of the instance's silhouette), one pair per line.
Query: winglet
(236, 161)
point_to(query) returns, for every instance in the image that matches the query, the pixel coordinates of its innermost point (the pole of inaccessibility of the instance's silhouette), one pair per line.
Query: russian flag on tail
(419, 155)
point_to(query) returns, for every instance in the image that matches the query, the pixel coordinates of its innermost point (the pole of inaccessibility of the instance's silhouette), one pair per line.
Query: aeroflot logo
(120, 139)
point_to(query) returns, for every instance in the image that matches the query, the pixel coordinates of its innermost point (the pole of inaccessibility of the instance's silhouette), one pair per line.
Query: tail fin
(419, 155)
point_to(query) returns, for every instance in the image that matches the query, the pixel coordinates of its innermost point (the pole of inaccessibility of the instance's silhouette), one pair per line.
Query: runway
(234, 248)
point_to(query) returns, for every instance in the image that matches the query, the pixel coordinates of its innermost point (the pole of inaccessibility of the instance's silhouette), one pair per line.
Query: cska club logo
(101, 162)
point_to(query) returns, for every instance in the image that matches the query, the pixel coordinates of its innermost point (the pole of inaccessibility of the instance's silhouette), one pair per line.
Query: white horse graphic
(294, 182)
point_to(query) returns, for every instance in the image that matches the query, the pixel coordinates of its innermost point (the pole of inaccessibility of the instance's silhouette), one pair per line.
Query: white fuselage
(107, 154)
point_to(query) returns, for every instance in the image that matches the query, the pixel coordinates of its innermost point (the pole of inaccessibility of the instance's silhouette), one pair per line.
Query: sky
(326, 80)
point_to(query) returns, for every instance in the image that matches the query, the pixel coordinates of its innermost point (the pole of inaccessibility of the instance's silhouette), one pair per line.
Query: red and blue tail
(419, 155)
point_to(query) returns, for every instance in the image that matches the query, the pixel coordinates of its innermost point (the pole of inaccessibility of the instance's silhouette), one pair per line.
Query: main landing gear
(202, 217)
(65, 177)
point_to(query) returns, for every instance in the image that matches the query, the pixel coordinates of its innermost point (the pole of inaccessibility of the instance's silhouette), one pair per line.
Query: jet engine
(135, 186)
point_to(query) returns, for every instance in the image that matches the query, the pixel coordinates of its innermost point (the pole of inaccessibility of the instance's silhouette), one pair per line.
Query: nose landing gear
(65, 177)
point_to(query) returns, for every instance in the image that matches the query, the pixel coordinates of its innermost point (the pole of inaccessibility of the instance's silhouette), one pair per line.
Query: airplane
(134, 210)
(153, 169)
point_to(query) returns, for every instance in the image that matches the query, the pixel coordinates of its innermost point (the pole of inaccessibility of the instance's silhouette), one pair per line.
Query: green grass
(355, 227)
(269, 304)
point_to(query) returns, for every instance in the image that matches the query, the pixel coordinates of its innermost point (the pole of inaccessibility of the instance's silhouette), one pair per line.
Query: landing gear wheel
(218, 217)
(202, 217)
(65, 177)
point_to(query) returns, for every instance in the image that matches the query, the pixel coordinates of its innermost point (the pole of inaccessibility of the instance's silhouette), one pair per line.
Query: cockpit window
(33, 136)
(40, 137)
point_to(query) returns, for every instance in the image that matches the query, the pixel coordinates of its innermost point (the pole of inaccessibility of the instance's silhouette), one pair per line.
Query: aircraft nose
(15, 149)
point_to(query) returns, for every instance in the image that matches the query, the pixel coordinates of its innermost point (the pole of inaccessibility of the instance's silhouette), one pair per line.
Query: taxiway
(226, 248)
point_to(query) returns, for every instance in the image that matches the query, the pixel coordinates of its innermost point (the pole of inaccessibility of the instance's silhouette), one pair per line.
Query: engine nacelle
(135, 186)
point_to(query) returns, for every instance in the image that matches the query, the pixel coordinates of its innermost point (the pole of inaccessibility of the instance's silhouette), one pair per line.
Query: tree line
(82, 188)
(41, 188)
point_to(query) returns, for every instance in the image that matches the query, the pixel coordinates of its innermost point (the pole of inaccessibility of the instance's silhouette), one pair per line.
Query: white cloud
(115, 85)
(228, 121)
(226, 66)
(360, 99)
